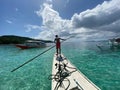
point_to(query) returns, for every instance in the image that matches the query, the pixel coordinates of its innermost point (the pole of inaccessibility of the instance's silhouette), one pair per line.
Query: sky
(43, 19)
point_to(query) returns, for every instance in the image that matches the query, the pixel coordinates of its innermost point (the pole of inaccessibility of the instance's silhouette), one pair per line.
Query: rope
(61, 75)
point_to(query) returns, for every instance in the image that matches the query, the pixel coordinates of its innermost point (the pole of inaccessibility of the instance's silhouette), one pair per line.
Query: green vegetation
(11, 39)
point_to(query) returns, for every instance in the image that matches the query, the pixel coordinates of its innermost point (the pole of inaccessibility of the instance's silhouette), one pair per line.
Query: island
(12, 39)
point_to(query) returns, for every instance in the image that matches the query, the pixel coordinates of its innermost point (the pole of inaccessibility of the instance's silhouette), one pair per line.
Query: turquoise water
(101, 67)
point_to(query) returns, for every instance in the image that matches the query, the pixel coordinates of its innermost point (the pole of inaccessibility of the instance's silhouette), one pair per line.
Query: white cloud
(103, 21)
(45, 35)
(52, 22)
(102, 15)
(9, 22)
(32, 27)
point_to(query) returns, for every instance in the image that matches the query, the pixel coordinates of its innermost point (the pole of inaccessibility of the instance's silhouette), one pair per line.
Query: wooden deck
(77, 81)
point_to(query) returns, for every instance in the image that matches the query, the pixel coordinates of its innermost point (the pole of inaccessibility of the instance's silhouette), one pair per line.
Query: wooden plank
(77, 80)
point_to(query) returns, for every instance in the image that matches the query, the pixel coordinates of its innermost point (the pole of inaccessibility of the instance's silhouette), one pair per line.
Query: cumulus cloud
(52, 22)
(101, 21)
(104, 14)
(113, 27)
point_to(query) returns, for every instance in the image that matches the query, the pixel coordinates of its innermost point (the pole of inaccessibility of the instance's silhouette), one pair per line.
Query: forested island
(12, 39)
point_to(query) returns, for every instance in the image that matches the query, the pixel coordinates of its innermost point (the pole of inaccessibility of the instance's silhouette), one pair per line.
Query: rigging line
(38, 55)
(61, 75)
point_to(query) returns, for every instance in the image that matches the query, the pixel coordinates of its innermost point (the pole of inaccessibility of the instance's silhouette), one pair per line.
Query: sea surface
(100, 65)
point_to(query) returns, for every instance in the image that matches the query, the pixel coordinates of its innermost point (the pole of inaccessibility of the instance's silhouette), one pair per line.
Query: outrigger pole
(37, 56)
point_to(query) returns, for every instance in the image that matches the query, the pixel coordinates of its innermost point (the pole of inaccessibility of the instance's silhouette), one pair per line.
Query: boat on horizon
(31, 44)
(115, 43)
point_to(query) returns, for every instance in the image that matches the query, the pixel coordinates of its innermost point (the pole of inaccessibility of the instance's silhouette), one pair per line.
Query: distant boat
(31, 44)
(115, 42)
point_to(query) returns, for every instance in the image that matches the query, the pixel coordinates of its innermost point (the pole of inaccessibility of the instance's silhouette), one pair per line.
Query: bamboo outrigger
(66, 76)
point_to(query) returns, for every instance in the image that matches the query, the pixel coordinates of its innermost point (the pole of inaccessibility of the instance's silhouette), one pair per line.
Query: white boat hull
(78, 81)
